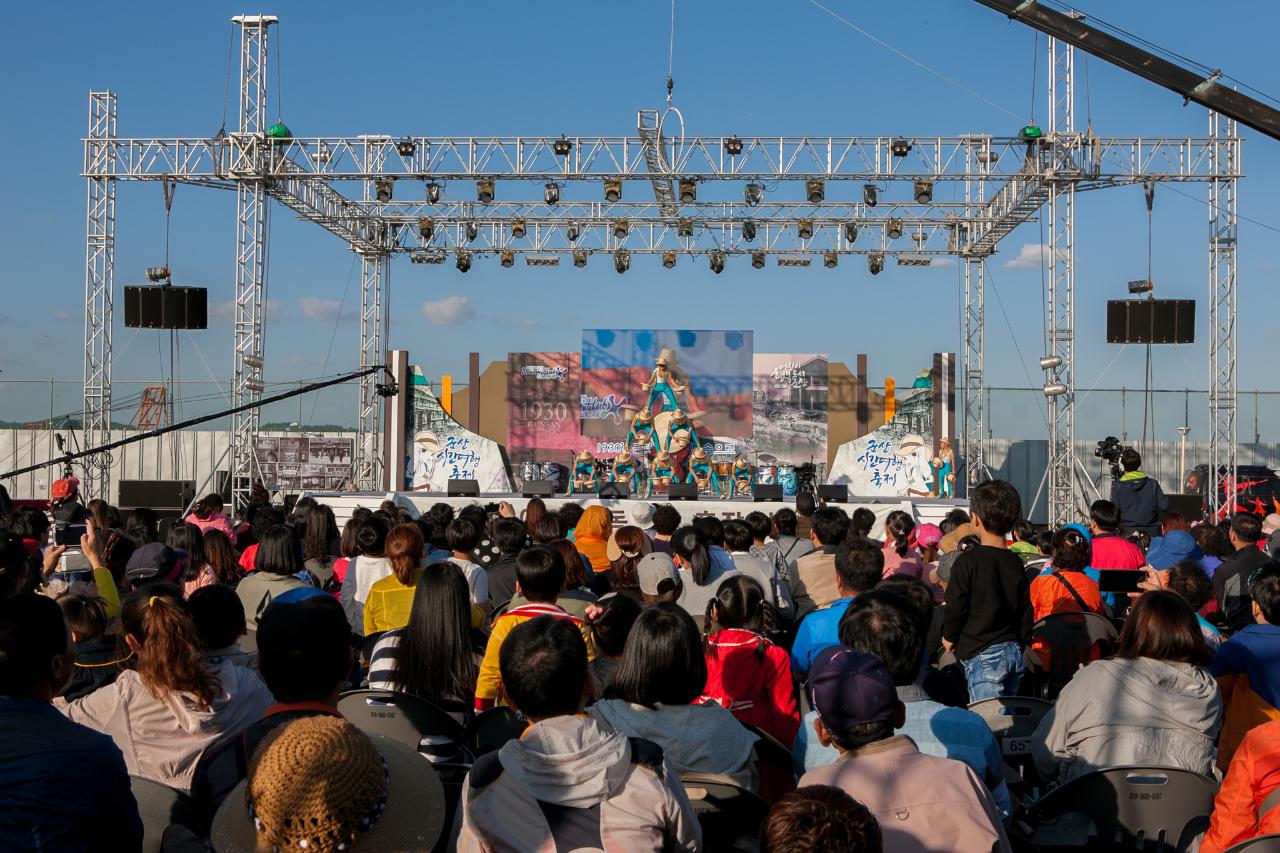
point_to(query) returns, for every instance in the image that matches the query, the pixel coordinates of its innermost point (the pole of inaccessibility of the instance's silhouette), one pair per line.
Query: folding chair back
(161, 807)
(730, 815)
(409, 719)
(1071, 640)
(490, 729)
(1261, 844)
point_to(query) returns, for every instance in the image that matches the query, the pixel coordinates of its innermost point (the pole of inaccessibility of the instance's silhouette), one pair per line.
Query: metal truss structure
(99, 275)
(723, 199)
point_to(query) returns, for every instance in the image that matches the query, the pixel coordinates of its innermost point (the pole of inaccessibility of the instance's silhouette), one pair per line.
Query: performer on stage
(584, 474)
(626, 469)
(662, 382)
(680, 431)
(945, 462)
(701, 473)
(662, 473)
(740, 483)
(641, 430)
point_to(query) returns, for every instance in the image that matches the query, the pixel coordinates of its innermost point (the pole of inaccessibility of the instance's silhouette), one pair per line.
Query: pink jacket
(907, 564)
(218, 522)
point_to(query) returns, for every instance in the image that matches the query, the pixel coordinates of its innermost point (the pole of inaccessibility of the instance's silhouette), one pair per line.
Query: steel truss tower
(1223, 227)
(99, 278)
(375, 277)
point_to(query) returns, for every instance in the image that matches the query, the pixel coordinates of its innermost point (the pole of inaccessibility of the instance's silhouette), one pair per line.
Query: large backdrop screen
(789, 409)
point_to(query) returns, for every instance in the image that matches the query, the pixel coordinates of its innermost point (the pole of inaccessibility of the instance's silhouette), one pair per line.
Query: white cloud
(450, 311)
(64, 316)
(1031, 256)
(225, 311)
(527, 322)
(325, 310)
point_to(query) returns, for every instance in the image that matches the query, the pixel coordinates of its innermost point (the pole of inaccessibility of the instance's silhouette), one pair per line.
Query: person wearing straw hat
(584, 473)
(662, 383)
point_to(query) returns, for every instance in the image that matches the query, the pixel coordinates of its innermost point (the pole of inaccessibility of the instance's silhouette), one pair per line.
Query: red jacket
(751, 677)
(1113, 551)
(1254, 773)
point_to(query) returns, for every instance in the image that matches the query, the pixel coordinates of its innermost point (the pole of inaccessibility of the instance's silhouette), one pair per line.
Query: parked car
(1257, 489)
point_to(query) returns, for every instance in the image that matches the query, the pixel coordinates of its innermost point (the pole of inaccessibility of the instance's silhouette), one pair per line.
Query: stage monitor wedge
(463, 489)
(766, 492)
(1151, 321)
(165, 307)
(537, 489)
(834, 494)
(682, 492)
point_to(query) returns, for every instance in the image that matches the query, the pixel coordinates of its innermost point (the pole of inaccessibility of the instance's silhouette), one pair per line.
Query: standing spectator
(627, 547)
(900, 556)
(820, 819)
(1110, 549)
(1243, 808)
(569, 782)
(321, 543)
(814, 576)
(761, 527)
(793, 547)
(746, 672)
(1138, 497)
(207, 514)
(806, 506)
(988, 605)
(1153, 704)
(666, 520)
(510, 535)
(924, 804)
(738, 540)
(463, 535)
(861, 522)
(367, 568)
(591, 536)
(1247, 666)
(859, 566)
(62, 786)
(1231, 579)
(1064, 587)
(277, 570)
(391, 598)
(700, 577)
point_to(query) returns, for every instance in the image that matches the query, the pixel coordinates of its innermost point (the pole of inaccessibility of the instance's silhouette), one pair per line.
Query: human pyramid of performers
(668, 444)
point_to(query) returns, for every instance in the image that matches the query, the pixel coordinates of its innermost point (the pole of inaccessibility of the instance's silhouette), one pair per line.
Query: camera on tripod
(1109, 449)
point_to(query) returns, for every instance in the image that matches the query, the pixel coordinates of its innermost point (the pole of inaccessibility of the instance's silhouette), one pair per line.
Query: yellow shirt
(389, 603)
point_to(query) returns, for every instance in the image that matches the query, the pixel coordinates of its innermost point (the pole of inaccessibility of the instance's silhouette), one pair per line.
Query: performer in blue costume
(584, 474)
(662, 383)
(702, 473)
(945, 463)
(641, 430)
(741, 482)
(680, 426)
(662, 473)
(626, 469)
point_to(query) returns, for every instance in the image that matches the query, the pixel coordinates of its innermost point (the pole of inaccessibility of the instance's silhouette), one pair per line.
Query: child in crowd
(98, 657)
(219, 617)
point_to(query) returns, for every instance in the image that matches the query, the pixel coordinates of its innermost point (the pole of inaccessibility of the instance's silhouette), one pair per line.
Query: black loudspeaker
(538, 489)
(157, 494)
(464, 489)
(1151, 321)
(1191, 506)
(766, 492)
(837, 494)
(166, 307)
(682, 492)
(614, 490)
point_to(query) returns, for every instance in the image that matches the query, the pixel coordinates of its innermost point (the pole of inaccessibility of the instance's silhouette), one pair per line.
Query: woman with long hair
(221, 558)
(348, 549)
(700, 576)
(189, 539)
(1152, 704)
(900, 554)
(391, 598)
(207, 514)
(142, 526)
(657, 690)
(277, 568)
(746, 672)
(432, 656)
(365, 569)
(176, 702)
(591, 536)
(631, 545)
(533, 511)
(320, 541)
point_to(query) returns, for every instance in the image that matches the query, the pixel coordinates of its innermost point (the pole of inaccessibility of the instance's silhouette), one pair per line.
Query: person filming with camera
(1138, 497)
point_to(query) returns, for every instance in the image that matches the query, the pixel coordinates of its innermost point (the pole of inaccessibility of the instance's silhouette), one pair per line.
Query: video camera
(1109, 449)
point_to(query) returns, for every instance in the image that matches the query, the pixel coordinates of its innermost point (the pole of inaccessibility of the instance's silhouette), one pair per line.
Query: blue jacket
(1140, 501)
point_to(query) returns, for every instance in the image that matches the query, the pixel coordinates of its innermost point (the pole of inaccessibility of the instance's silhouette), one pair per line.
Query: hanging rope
(279, 87)
(1035, 61)
(671, 55)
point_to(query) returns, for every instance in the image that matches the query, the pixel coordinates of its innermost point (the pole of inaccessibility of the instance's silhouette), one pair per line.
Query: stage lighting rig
(426, 229)
(804, 229)
(551, 193)
(621, 228)
(685, 227)
(924, 192)
(753, 194)
(405, 147)
(669, 258)
(757, 259)
(579, 258)
(717, 262)
(383, 189)
(1144, 285)
(900, 147)
(518, 228)
(462, 260)
(572, 232)
(159, 275)
(733, 146)
(875, 263)
(870, 195)
(612, 190)
(895, 228)
(562, 147)
(688, 191)
(621, 261)
(508, 258)
(472, 231)
(815, 190)
(434, 191)
(851, 232)
(749, 230)
(829, 260)
(484, 190)
(1054, 389)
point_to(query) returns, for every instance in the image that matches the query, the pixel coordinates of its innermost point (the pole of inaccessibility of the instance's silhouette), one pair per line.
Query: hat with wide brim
(909, 444)
(613, 550)
(412, 820)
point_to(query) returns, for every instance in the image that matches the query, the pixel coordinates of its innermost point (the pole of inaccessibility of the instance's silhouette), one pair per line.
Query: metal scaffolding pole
(974, 437)
(99, 276)
(375, 268)
(1064, 170)
(248, 148)
(1223, 228)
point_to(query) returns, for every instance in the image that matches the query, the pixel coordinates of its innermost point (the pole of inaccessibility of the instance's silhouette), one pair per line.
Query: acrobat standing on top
(584, 474)
(626, 469)
(945, 463)
(701, 472)
(662, 382)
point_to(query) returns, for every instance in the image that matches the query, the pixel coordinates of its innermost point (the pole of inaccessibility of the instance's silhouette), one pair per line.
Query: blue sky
(782, 66)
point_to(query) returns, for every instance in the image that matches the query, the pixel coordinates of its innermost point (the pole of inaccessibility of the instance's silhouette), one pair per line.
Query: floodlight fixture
(462, 260)
(1054, 389)
(579, 258)
(669, 258)
(794, 261)
(875, 263)
(562, 147)
(1049, 362)
(405, 147)
(551, 193)
(621, 228)
(612, 190)
(717, 262)
(757, 259)
(829, 260)
(508, 258)
(383, 189)
(804, 228)
(621, 261)
(870, 195)
(924, 192)
(158, 275)
(895, 228)
(1144, 285)
(851, 232)
(749, 230)
(900, 147)
(573, 231)
(252, 361)
(733, 146)
(426, 229)
(434, 191)
(688, 191)
(542, 260)
(484, 190)
(472, 231)
(518, 228)
(684, 227)
(753, 194)
(1031, 133)
(815, 190)
(254, 385)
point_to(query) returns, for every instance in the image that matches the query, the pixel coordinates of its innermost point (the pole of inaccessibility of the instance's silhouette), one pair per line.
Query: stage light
(621, 261)
(542, 260)
(252, 361)
(685, 227)
(717, 262)
(383, 189)
(254, 385)
(156, 275)
(405, 147)
(1141, 286)
(473, 231)
(919, 236)
(562, 147)
(669, 258)
(426, 229)
(612, 190)
(518, 228)
(463, 260)
(757, 259)
(1031, 133)
(579, 258)
(753, 194)
(621, 228)
(829, 260)
(733, 146)
(688, 191)
(484, 191)
(1054, 389)
(924, 192)
(875, 263)
(895, 228)
(508, 258)
(551, 193)
(793, 261)
(851, 232)
(804, 228)
(870, 195)
(749, 230)
(434, 191)
(573, 231)
(815, 190)
(900, 147)
(1049, 362)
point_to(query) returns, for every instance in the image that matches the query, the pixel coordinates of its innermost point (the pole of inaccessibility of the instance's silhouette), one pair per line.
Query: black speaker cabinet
(157, 494)
(614, 490)
(766, 492)
(682, 492)
(166, 307)
(834, 494)
(1151, 321)
(1191, 506)
(538, 489)
(463, 489)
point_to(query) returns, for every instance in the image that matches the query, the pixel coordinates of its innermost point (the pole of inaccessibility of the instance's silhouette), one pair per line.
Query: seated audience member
(860, 523)
(1173, 520)
(304, 655)
(627, 547)
(820, 819)
(569, 782)
(928, 538)
(196, 571)
(746, 672)
(1247, 665)
(485, 553)
(221, 558)
(540, 576)
(814, 577)
(761, 527)
(509, 535)
(277, 569)
(62, 786)
(1110, 549)
(349, 549)
(666, 521)
(98, 658)
(792, 547)
(1189, 580)
(219, 617)
(591, 536)
(659, 579)
(940, 686)
(739, 541)
(321, 544)
(152, 563)
(569, 515)
(1024, 540)
(924, 804)
(177, 704)
(1064, 587)
(435, 525)
(859, 565)
(13, 564)
(900, 556)
(1152, 704)
(367, 568)
(261, 517)
(463, 536)
(207, 515)
(533, 511)
(548, 529)
(432, 656)
(712, 530)
(806, 506)
(1241, 809)
(662, 676)
(390, 598)
(609, 631)
(1213, 543)
(700, 576)
(1231, 579)
(576, 598)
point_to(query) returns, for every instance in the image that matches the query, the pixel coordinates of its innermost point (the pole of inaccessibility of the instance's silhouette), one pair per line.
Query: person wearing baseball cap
(924, 804)
(659, 578)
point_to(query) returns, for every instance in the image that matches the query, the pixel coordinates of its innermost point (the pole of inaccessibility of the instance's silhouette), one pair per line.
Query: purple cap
(851, 688)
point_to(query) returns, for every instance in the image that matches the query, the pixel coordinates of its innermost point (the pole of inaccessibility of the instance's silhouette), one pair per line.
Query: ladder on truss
(647, 125)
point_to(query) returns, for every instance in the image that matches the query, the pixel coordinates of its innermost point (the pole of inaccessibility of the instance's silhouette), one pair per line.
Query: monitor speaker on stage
(682, 492)
(464, 489)
(157, 494)
(166, 307)
(1151, 321)
(766, 492)
(538, 489)
(834, 494)
(614, 490)
(1191, 506)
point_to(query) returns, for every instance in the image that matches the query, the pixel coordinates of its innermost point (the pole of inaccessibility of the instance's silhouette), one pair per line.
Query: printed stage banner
(543, 414)
(441, 449)
(708, 376)
(304, 462)
(788, 409)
